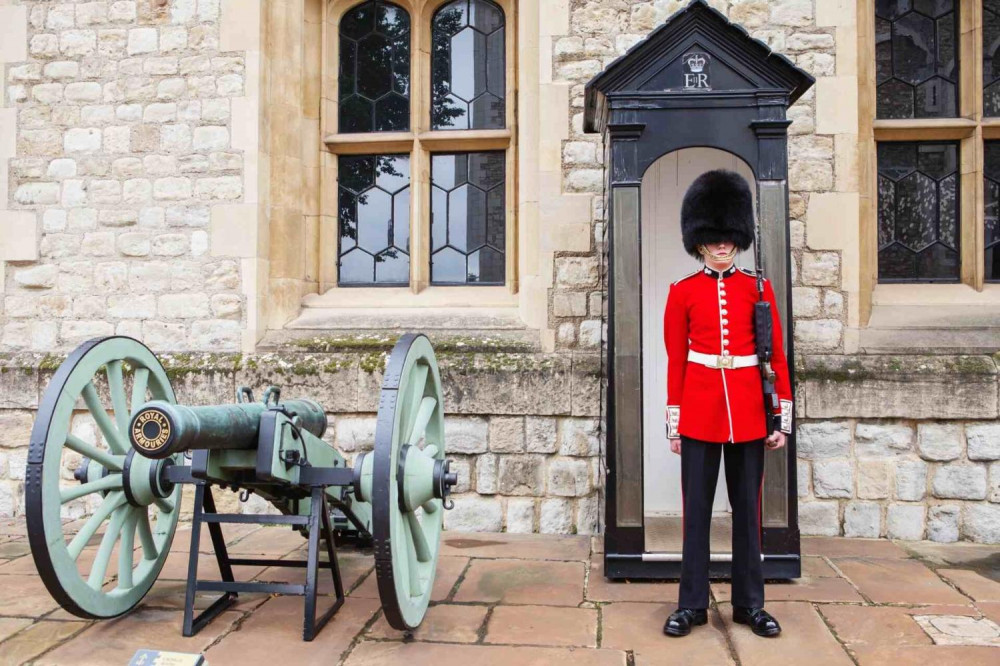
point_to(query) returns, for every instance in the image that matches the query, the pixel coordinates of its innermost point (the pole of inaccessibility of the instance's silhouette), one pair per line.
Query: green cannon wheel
(406, 481)
(132, 511)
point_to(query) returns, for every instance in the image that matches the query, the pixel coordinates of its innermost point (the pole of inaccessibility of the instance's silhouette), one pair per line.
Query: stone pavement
(541, 600)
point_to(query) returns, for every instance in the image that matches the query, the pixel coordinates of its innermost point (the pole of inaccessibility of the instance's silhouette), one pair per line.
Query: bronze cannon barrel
(160, 429)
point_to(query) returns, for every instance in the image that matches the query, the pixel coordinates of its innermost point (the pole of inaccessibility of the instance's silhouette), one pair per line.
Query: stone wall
(522, 428)
(905, 447)
(120, 117)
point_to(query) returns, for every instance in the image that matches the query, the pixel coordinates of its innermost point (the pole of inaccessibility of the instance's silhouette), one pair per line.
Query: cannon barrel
(160, 429)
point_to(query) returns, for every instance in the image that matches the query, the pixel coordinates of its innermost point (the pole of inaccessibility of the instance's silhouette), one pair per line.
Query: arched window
(429, 202)
(375, 68)
(468, 66)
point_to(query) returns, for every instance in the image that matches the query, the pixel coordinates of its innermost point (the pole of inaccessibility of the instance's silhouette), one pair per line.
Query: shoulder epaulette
(747, 271)
(691, 274)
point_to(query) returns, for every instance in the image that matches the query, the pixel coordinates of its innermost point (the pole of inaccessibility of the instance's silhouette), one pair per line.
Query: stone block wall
(937, 480)
(119, 120)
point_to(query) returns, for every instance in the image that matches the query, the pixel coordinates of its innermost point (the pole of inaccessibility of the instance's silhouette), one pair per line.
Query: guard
(716, 399)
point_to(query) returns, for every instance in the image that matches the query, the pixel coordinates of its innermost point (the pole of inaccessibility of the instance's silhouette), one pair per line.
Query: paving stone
(11, 625)
(600, 588)
(447, 623)
(543, 625)
(393, 653)
(115, 641)
(804, 637)
(231, 533)
(816, 567)
(960, 630)
(922, 655)
(639, 627)
(990, 609)
(873, 626)
(526, 546)
(273, 634)
(170, 594)
(25, 595)
(975, 585)
(176, 568)
(448, 571)
(268, 541)
(523, 582)
(834, 547)
(13, 549)
(798, 589)
(353, 566)
(898, 581)
(38, 638)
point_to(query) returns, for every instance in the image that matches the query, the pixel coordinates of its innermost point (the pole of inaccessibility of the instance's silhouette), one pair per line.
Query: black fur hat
(717, 207)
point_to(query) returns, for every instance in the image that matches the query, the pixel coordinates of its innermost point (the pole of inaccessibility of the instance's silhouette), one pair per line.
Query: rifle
(763, 335)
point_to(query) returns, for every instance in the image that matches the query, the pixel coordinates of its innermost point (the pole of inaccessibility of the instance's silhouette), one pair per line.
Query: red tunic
(712, 312)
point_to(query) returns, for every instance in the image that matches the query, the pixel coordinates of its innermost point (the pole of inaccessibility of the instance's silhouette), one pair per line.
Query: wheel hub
(145, 479)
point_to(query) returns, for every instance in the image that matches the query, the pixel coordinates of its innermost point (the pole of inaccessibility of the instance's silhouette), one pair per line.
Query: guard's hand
(776, 440)
(675, 445)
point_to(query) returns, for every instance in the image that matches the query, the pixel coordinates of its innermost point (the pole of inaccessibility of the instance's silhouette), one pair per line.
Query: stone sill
(950, 319)
(898, 386)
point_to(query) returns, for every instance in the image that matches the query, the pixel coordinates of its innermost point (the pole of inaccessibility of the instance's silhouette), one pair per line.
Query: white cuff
(673, 420)
(786, 416)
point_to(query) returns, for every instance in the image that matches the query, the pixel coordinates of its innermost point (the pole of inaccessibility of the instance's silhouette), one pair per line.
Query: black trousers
(744, 478)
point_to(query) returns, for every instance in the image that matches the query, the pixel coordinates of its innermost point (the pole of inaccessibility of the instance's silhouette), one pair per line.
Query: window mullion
(420, 219)
(972, 213)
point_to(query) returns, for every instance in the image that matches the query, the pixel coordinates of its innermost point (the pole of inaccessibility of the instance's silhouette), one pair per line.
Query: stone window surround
(419, 142)
(972, 295)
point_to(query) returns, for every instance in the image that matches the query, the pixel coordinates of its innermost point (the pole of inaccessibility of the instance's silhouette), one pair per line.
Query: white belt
(716, 361)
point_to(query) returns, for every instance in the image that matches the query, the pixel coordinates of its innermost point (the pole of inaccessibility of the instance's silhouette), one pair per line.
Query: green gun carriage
(393, 497)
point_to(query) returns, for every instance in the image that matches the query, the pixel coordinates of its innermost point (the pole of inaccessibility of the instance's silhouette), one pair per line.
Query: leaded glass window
(916, 51)
(374, 219)
(991, 168)
(374, 76)
(468, 229)
(918, 217)
(991, 57)
(468, 66)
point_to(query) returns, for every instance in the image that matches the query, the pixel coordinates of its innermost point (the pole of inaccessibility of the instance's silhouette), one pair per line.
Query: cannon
(148, 447)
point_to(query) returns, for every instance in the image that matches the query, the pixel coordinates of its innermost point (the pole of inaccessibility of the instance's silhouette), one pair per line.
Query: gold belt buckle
(724, 362)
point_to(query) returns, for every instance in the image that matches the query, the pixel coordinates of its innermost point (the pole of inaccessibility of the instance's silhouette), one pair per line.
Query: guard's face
(719, 250)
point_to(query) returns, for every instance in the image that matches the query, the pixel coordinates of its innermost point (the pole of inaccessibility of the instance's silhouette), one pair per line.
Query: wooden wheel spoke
(415, 397)
(111, 461)
(126, 552)
(412, 571)
(114, 500)
(149, 551)
(103, 557)
(430, 506)
(109, 482)
(115, 440)
(116, 383)
(140, 381)
(420, 546)
(424, 414)
(163, 504)
(431, 450)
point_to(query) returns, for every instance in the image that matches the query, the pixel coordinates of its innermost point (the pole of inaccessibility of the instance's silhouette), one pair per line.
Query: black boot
(761, 622)
(680, 621)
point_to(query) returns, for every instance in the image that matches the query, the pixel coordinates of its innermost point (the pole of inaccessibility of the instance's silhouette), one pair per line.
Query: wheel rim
(406, 523)
(138, 526)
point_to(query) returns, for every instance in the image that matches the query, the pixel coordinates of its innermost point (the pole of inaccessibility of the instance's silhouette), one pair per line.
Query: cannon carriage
(392, 497)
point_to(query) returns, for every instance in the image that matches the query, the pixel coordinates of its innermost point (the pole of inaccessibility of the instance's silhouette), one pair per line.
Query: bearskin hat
(717, 207)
